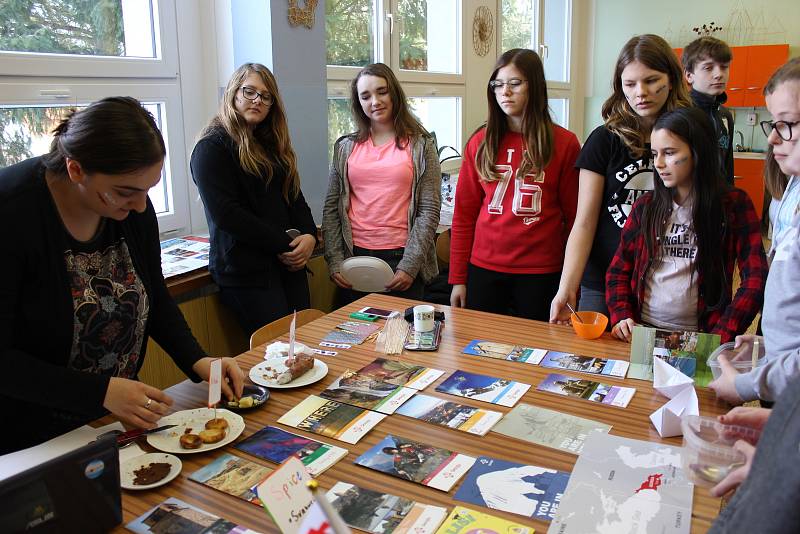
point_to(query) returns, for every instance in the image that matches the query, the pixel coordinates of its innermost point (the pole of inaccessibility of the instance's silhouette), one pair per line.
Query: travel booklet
(276, 445)
(584, 364)
(411, 460)
(484, 388)
(504, 351)
(367, 392)
(382, 513)
(184, 254)
(465, 521)
(177, 517)
(401, 373)
(332, 419)
(351, 332)
(450, 414)
(548, 428)
(586, 389)
(624, 486)
(686, 351)
(516, 488)
(234, 476)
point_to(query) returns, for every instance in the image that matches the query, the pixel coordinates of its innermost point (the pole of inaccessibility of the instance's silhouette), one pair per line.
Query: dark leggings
(522, 295)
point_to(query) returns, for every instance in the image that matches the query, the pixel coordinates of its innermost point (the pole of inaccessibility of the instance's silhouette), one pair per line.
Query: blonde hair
(267, 145)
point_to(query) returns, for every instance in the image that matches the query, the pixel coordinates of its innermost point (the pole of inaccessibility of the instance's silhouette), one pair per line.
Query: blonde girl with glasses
(516, 197)
(262, 230)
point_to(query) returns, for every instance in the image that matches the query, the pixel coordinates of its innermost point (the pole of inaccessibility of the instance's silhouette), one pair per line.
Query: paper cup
(423, 318)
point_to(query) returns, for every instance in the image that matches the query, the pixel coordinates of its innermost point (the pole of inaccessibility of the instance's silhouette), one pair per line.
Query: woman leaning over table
(246, 171)
(384, 193)
(81, 289)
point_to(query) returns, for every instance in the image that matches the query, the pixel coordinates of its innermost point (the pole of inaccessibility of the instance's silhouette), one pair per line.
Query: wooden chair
(443, 247)
(281, 326)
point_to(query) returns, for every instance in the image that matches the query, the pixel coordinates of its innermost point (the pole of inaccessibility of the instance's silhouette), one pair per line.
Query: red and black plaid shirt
(741, 243)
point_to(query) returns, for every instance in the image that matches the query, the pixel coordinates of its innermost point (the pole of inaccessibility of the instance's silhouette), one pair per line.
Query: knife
(126, 437)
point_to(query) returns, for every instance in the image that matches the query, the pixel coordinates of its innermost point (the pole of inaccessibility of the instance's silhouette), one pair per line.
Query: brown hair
(654, 53)
(775, 180)
(406, 124)
(537, 124)
(268, 144)
(705, 48)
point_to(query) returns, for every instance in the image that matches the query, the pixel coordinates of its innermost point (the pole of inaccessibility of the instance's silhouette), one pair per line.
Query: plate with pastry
(149, 471)
(197, 431)
(301, 370)
(252, 397)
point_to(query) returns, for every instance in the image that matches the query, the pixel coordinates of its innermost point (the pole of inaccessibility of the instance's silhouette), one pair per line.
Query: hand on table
(302, 247)
(341, 281)
(136, 403)
(559, 311)
(624, 330)
(738, 475)
(400, 281)
(725, 385)
(458, 296)
(232, 376)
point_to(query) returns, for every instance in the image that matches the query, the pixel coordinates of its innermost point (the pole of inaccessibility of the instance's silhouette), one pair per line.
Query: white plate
(367, 273)
(126, 469)
(257, 372)
(196, 419)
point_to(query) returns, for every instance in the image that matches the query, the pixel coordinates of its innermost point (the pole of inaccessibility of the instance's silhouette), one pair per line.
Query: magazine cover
(584, 364)
(450, 414)
(177, 517)
(233, 475)
(583, 388)
(504, 351)
(516, 488)
(549, 428)
(401, 373)
(484, 388)
(276, 445)
(381, 513)
(465, 521)
(367, 392)
(411, 460)
(686, 351)
(332, 419)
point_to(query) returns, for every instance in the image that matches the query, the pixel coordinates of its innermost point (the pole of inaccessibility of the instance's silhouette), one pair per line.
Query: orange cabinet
(737, 80)
(750, 70)
(749, 176)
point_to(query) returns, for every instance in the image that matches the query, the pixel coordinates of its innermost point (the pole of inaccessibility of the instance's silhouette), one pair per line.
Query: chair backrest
(281, 326)
(443, 247)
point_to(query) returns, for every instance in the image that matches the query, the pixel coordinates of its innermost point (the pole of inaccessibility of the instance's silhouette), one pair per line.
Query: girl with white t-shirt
(674, 265)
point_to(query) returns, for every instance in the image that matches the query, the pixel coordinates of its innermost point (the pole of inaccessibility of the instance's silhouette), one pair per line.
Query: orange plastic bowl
(593, 325)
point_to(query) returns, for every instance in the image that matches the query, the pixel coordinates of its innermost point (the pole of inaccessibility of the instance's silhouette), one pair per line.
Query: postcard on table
(516, 488)
(450, 414)
(584, 364)
(276, 445)
(465, 521)
(411, 460)
(548, 427)
(381, 513)
(626, 486)
(582, 388)
(234, 476)
(401, 373)
(504, 351)
(367, 392)
(686, 351)
(484, 388)
(332, 419)
(177, 517)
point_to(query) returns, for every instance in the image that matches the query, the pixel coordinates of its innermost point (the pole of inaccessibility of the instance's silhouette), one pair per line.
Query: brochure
(234, 476)
(586, 389)
(484, 388)
(411, 460)
(584, 364)
(276, 445)
(184, 254)
(686, 351)
(450, 414)
(367, 392)
(332, 419)
(504, 351)
(401, 373)
(177, 517)
(465, 521)
(351, 332)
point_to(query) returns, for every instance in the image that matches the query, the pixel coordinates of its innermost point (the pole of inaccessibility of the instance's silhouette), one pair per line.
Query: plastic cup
(741, 359)
(591, 324)
(708, 454)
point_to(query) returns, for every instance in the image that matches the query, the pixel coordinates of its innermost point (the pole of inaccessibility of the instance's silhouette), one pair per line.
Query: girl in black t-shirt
(615, 167)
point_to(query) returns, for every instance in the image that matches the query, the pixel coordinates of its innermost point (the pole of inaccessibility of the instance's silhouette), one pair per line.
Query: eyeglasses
(514, 84)
(782, 128)
(252, 95)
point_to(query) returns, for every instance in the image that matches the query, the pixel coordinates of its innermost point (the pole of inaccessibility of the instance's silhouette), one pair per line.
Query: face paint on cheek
(660, 89)
(681, 161)
(110, 199)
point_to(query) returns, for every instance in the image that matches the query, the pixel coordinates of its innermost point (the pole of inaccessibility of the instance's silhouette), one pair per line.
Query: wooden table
(461, 327)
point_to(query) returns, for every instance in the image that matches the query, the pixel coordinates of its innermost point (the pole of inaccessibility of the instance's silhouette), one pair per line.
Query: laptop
(76, 492)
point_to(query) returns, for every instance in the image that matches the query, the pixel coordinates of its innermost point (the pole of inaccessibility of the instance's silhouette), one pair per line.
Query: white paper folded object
(667, 419)
(667, 380)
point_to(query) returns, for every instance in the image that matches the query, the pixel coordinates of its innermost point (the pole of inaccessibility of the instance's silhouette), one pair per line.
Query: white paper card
(667, 419)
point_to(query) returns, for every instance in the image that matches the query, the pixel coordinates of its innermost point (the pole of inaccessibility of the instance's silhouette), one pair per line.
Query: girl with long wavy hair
(674, 265)
(262, 230)
(516, 197)
(384, 188)
(615, 167)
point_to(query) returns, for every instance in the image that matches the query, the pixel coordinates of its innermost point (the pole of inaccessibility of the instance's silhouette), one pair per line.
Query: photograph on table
(177, 517)
(686, 351)
(484, 388)
(401, 373)
(584, 364)
(548, 428)
(504, 351)
(331, 419)
(521, 489)
(234, 476)
(351, 332)
(450, 414)
(382, 513)
(276, 445)
(465, 521)
(418, 462)
(582, 388)
(367, 392)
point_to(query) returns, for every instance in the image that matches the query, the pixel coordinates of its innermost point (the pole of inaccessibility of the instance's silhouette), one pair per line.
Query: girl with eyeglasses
(262, 230)
(516, 197)
(615, 167)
